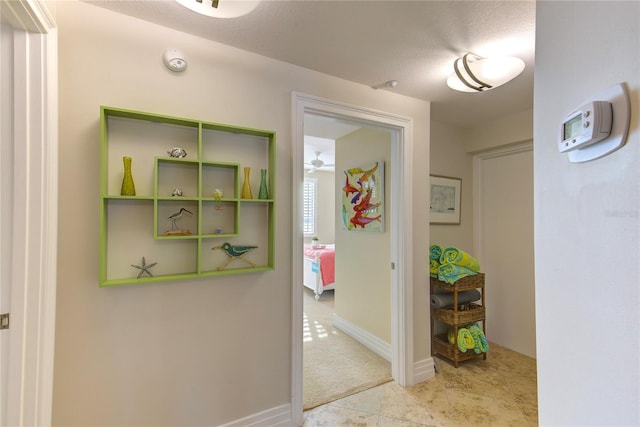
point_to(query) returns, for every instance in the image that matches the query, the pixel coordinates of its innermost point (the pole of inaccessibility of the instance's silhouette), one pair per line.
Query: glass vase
(246, 186)
(263, 193)
(128, 187)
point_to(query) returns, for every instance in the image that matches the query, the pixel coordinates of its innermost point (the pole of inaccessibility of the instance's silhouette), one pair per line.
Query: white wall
(510, 129)
(449, 157)
(363, 259)
(586, 222)
(204, 351)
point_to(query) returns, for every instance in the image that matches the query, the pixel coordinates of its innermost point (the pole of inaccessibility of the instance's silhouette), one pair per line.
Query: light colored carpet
(335, 365)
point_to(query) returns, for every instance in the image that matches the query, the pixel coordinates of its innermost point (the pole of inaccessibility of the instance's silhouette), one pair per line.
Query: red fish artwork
(348, 188)
(361, 221)
(362, 206)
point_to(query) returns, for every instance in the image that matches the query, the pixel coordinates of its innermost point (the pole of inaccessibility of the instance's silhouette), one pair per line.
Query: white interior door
(504, 236)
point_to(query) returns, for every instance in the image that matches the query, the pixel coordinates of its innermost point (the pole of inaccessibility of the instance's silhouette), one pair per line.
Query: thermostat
(587, 125)
(599, 127)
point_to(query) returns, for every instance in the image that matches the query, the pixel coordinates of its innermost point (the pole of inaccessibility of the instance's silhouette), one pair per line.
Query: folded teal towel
(450, 273)
(435, 252)
(460, 258)
(480, 341)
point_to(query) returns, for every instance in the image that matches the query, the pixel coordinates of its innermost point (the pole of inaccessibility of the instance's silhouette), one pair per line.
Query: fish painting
(362, 221)
(362, 200)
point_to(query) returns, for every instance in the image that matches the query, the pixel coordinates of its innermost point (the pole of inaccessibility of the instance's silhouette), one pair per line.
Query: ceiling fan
(317, 163)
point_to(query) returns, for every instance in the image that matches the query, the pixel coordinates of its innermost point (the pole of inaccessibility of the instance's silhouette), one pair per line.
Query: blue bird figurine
(235, 252)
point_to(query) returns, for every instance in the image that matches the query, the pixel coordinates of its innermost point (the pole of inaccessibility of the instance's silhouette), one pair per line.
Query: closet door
(504, 240)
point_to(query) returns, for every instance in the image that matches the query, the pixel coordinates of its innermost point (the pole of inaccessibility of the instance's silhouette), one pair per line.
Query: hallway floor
(500, 391)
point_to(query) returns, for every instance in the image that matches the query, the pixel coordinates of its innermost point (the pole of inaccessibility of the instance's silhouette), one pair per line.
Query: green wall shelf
(137, 227)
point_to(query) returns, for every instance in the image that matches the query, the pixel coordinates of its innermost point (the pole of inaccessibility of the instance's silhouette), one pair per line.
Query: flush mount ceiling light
(473, 73)
(220, 8)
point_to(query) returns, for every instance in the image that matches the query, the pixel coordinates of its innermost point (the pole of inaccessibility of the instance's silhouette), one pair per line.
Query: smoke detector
(174, 60)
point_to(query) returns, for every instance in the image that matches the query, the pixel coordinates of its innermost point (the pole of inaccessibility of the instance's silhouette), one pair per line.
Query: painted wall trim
(423, 370)
(367, 339)
(279, 416)
(30, 15)
(31, 347)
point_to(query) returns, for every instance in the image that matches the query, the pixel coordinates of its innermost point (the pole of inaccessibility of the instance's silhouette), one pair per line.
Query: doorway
(347, 338)
(401, 266)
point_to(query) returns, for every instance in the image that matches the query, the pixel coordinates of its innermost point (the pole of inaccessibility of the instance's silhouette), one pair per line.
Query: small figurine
(177, 192)
(235, 252)
(177, 152)
(175, 217)
(217, 197)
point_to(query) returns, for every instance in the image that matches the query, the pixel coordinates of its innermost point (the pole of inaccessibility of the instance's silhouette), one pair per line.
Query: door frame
(35, 182)
(400, 226)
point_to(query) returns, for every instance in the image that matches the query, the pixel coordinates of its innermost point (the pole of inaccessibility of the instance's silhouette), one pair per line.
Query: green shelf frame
(132, 227)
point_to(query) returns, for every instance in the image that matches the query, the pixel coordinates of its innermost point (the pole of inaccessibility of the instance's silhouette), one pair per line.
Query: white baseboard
(423, 370)
(280, 416)
(367, 339)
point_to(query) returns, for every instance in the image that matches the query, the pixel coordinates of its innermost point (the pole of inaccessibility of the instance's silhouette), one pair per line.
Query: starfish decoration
(144, 268)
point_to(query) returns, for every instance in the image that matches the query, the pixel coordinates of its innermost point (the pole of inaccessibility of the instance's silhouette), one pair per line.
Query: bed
(319, 268)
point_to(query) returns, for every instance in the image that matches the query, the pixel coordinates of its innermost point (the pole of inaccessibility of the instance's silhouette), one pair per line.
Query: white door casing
(27, 399)
(401, 232)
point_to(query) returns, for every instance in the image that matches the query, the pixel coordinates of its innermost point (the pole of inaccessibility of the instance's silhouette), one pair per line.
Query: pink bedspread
(326, 257)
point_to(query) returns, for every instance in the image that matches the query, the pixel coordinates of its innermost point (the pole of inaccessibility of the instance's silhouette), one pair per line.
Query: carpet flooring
(334, 364)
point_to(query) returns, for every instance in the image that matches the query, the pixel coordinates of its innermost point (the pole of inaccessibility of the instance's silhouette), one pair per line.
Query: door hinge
(4, 321)
(393, 265)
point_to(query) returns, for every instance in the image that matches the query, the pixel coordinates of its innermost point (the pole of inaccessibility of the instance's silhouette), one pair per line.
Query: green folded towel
(460, 258)
(480, 341)
(465, 339)
(451, 273)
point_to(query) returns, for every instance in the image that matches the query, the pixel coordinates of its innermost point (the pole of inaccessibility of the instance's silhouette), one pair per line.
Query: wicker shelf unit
(457, 318)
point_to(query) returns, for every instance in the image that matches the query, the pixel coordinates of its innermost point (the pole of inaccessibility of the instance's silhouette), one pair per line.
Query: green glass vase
(263, 193)
(128, 187)
(246, 186)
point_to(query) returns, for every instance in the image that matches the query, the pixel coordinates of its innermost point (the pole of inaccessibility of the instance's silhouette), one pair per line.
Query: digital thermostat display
(585, 126)
(573, 127)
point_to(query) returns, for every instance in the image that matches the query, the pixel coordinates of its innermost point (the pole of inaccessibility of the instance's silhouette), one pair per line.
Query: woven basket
(440, 345)
(475, 313)
(469, 282)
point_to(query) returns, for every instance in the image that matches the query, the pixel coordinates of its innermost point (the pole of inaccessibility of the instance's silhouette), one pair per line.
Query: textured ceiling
(371, 42)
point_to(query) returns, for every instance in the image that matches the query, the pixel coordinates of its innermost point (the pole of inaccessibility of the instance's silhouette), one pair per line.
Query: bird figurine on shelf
(235, 252)
(175, 217)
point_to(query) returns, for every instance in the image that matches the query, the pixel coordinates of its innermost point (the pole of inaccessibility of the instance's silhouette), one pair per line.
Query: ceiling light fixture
(473, 73)
(220, 8)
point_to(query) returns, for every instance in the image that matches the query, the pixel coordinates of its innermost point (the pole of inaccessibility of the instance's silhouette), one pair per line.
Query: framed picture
(445, 200)
(363, 198)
